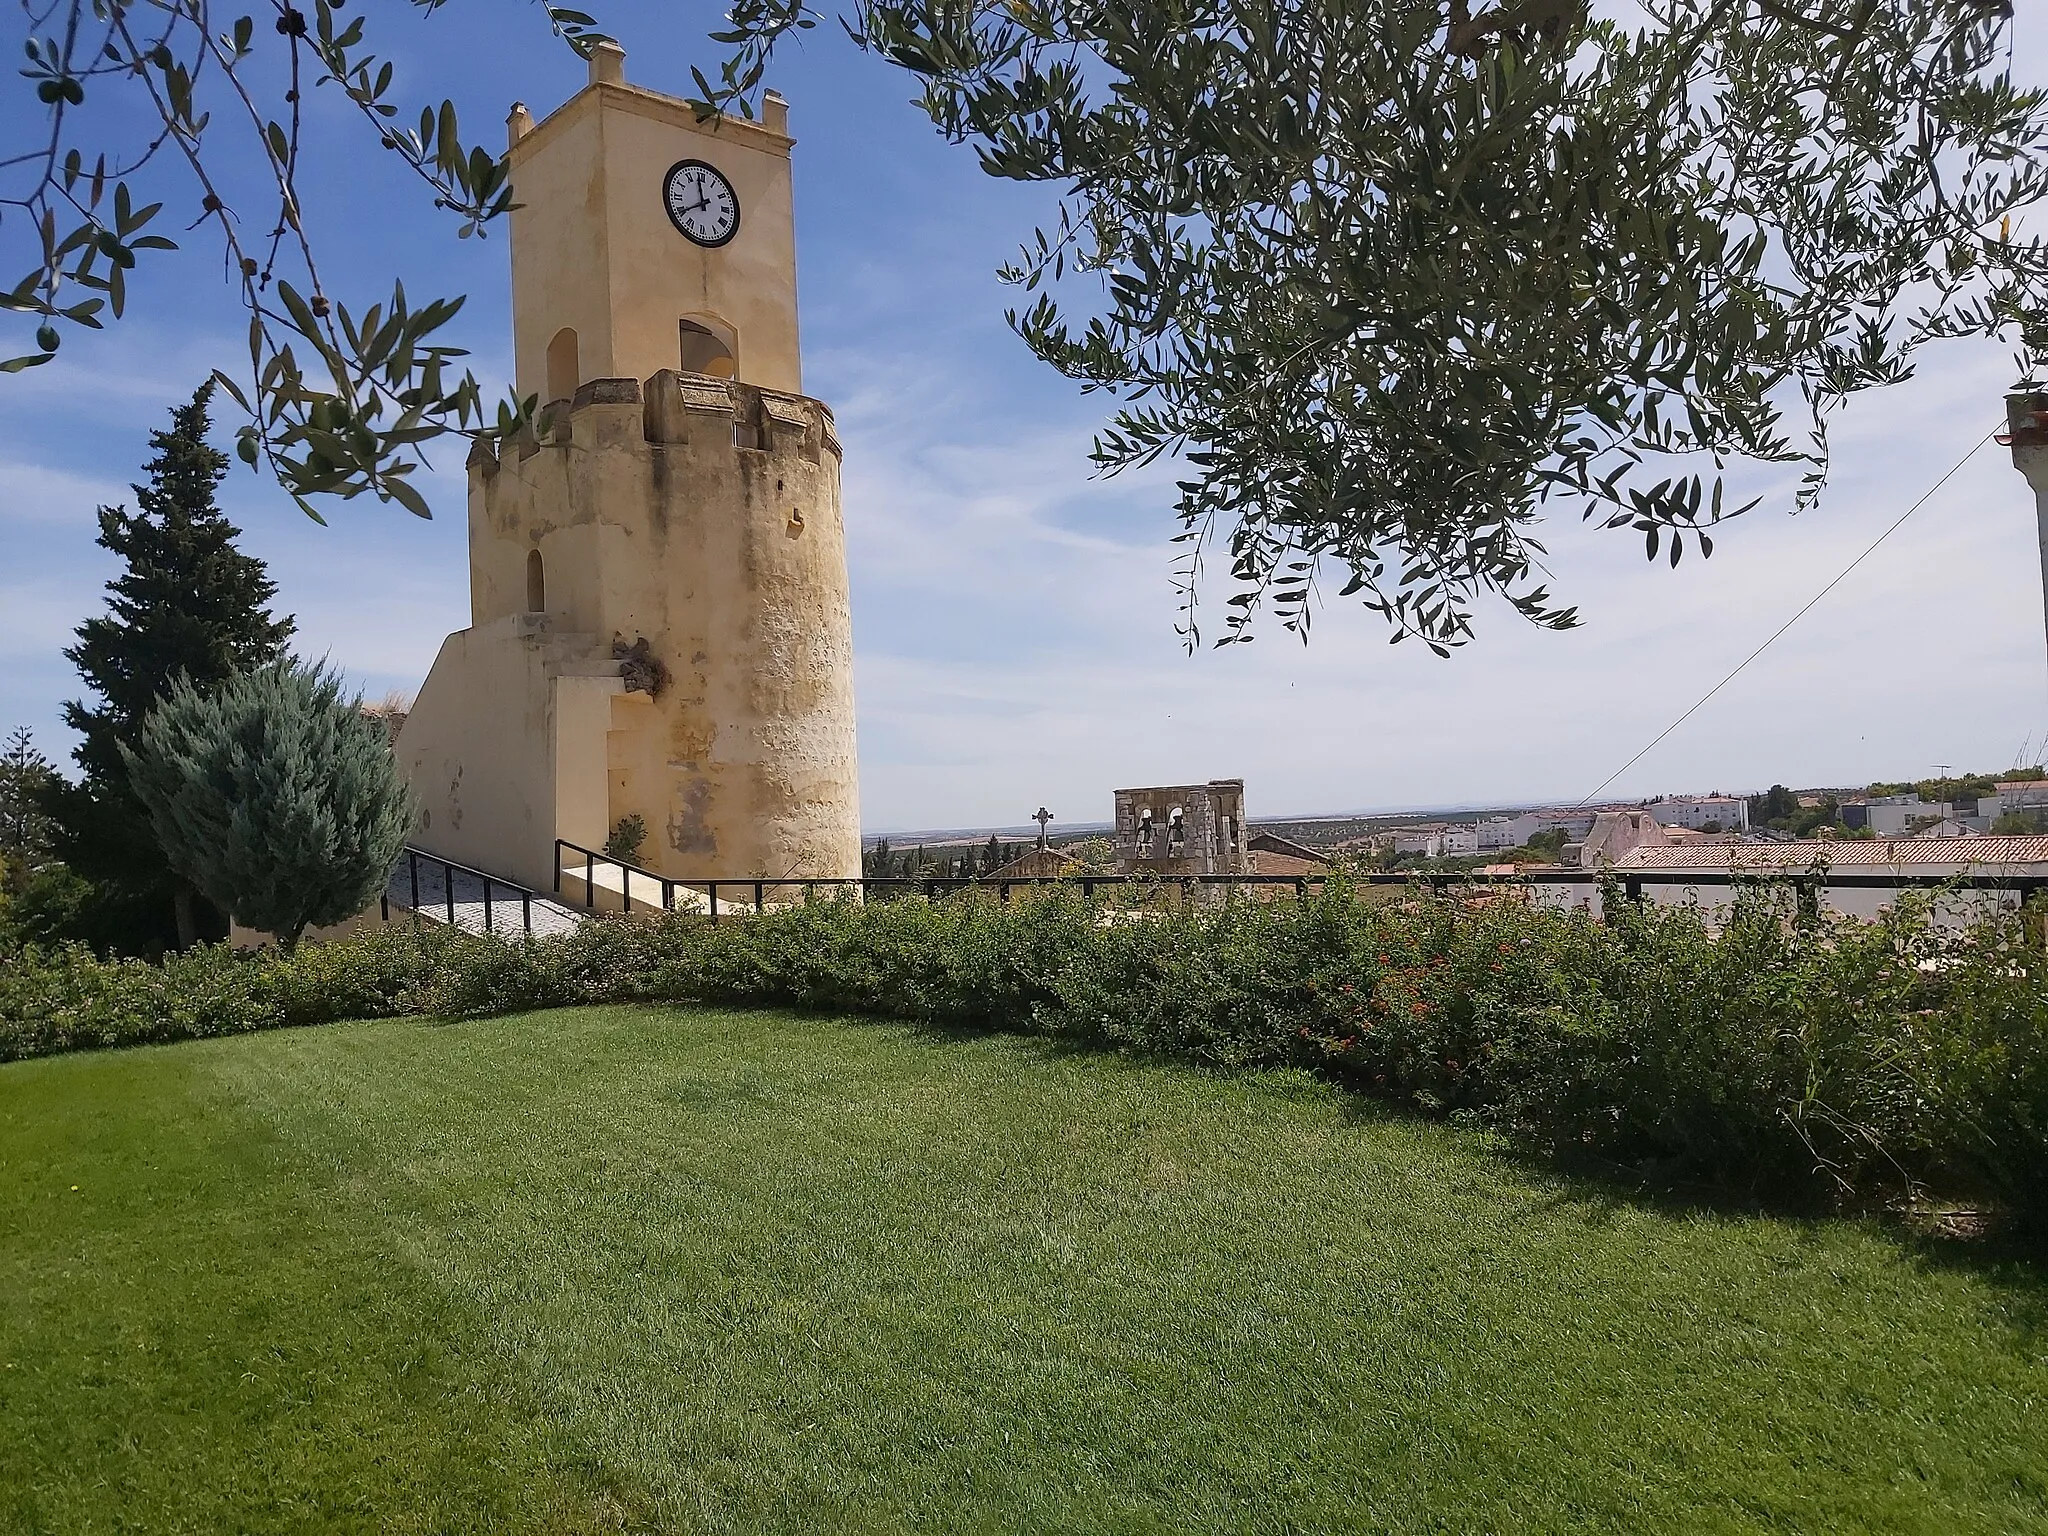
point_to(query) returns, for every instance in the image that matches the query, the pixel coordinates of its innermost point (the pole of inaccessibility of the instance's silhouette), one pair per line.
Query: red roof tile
(1925, 854)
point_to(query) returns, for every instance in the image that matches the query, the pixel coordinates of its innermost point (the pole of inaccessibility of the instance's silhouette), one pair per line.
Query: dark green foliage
(880, 861)
(1776, 804)
(1387, 276)
(25, 831)
(337, 399)
(49, 907)
(627, 834)
(1809, 819)
(1780, 810)
(1795, 1061)
(188, 604)
(274, 795)
(1962, 787)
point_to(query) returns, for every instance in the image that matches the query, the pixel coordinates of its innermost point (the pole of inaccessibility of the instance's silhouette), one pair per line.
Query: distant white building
(1499, 832)
(1515, 831)
(1703, 813)
(1664, 874)
(2027, 795)
(1895, 815)
(1437, 841)
(1575, 824)
(1422, 840)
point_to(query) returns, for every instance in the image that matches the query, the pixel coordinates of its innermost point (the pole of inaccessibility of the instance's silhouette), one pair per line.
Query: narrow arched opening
(705, 351)
(564, 367)
(536, 583)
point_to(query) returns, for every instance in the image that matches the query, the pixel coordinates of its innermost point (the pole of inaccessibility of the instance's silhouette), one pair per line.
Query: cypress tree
(188, 604)
(274, 795)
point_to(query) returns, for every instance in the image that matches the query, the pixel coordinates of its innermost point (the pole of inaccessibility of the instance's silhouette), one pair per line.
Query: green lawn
(616, 1270)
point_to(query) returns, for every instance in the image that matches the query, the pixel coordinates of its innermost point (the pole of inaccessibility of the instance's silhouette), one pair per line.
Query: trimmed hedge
(1813, 1062)
(66, 999)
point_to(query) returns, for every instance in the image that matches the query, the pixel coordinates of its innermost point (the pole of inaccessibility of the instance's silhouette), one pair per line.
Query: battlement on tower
(674, 409)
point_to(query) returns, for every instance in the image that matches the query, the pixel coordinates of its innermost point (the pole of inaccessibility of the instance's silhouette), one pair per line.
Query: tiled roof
(1272, 842)
(1847, 853)
(1035, 862)
(1266, 862)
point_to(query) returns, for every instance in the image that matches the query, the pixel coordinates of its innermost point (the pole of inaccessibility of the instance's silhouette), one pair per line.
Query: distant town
(1483, 839)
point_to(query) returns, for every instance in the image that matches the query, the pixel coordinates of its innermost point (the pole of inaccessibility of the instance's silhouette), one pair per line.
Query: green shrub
(274, 795)
(1795, 1059)
(627, 834)
(1980, 1054)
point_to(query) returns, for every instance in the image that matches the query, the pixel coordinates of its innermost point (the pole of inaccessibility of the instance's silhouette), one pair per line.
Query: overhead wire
(1811, 603)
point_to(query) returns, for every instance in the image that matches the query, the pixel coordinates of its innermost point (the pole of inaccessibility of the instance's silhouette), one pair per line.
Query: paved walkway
(503, 913)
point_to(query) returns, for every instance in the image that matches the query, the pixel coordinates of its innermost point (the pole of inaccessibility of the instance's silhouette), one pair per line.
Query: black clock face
(701, 202)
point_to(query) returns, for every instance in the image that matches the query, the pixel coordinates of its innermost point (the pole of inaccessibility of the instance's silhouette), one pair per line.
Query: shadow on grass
(1998, 1250)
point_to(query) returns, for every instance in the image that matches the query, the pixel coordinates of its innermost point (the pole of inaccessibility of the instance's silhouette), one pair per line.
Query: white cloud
(1005, 660)
(37, 618)
(36, 492)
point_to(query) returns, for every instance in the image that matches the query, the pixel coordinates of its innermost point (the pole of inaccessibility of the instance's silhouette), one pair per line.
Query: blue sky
(1014, 618)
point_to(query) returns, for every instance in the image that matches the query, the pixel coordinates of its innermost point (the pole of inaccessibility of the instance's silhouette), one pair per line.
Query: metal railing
(416, 858)
(1631, 884)
(593, 860)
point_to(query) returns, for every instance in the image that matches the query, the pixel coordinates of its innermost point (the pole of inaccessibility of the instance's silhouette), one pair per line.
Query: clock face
(701, 202)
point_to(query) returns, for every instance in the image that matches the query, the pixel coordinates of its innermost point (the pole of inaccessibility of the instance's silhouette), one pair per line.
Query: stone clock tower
(659, 623)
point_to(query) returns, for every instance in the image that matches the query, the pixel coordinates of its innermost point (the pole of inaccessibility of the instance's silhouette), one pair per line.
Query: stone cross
(1042, 818)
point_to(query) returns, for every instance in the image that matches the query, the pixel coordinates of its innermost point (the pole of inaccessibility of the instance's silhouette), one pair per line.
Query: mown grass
(689, 1270)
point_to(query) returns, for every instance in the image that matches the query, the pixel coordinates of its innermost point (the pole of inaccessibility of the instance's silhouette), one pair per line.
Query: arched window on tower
(536, 584)
(564, 368)
(705, 351)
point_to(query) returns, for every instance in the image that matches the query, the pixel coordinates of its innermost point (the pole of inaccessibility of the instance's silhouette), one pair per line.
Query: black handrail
(449, 868)
(592, 858)
(1807, 882)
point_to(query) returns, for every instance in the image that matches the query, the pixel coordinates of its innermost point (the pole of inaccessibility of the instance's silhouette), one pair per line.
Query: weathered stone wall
(505, 746)
(703, 516)
(1212, 835)
(593, 251)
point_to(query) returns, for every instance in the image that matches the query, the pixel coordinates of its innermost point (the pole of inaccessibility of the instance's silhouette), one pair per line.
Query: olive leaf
(1385, 277)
